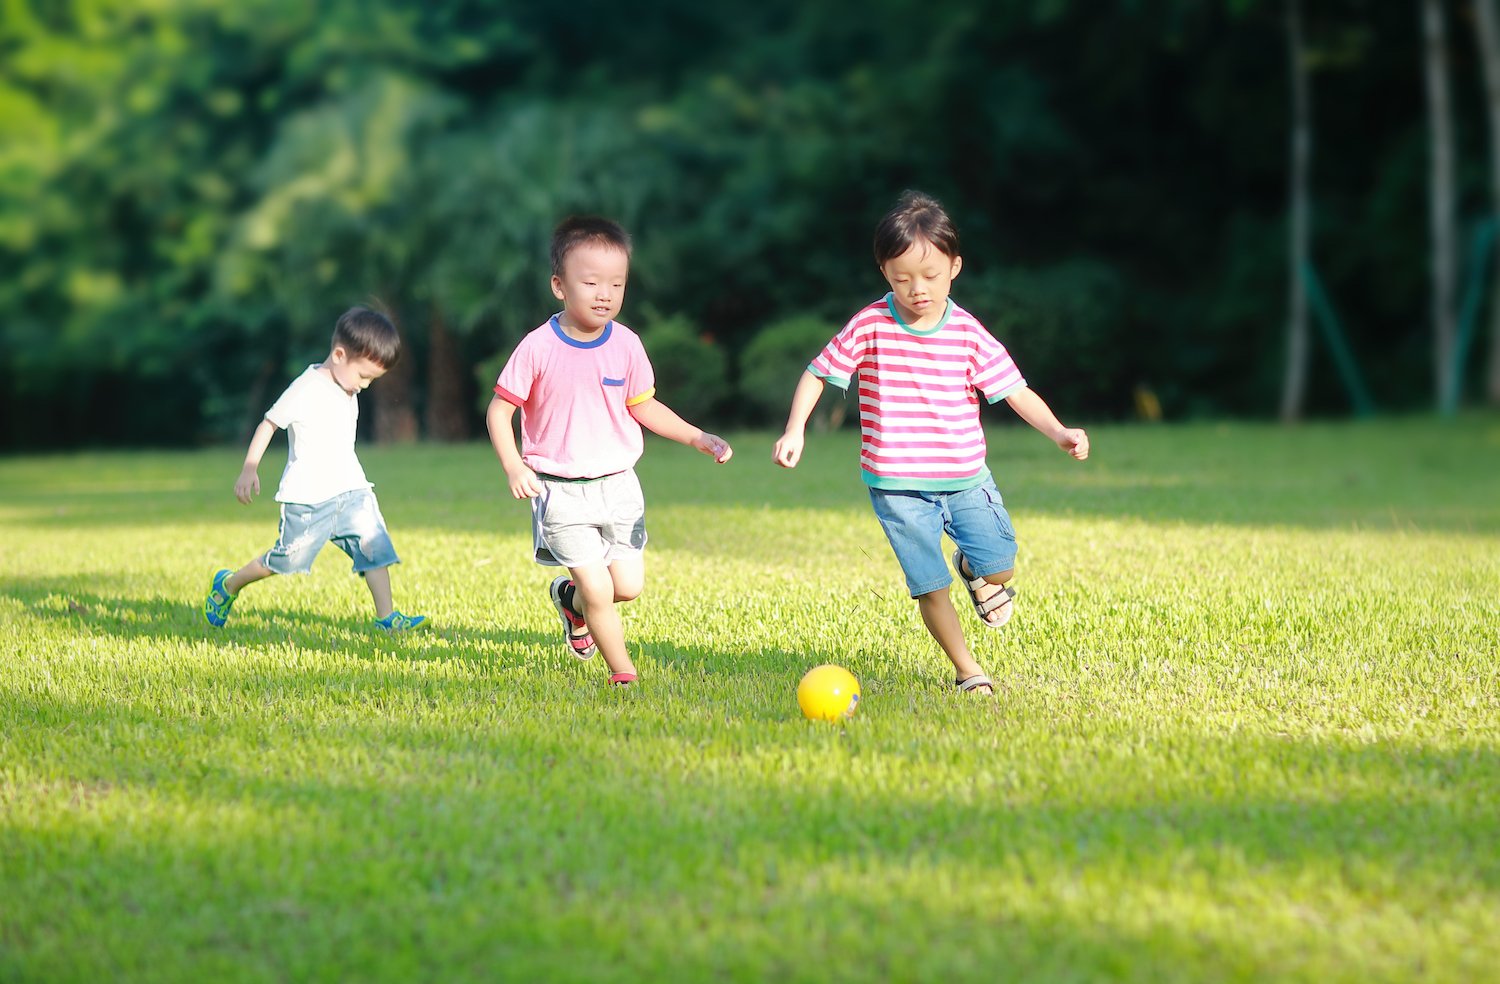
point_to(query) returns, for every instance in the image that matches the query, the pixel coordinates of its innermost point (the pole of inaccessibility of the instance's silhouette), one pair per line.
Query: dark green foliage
(773, 363)
(1064, 326)
(692, 372)
(189, 193)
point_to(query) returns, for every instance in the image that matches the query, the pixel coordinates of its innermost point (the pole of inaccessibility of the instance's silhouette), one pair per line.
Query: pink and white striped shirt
(918, 402)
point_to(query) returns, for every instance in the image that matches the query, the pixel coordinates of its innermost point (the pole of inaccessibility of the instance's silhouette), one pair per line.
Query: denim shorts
(975, 519)
(576, 523)
(351, 520)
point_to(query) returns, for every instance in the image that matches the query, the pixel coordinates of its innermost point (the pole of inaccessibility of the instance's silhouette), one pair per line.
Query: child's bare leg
(249, 574)
(594, 597)
(379, 583)
(942, 621)
(629, 577)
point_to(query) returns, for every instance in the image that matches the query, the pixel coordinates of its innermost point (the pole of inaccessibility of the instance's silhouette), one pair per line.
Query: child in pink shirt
(585, 388)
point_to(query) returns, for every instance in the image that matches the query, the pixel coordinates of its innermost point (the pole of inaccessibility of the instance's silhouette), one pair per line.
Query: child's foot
(396, 622)
(216, 606)
(992, 602)
(575, 631)
(621, 679)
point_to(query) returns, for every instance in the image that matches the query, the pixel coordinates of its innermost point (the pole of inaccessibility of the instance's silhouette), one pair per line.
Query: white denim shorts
(351, 520)
(579, 522)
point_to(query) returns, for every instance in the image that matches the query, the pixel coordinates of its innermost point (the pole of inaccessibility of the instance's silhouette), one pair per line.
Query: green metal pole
(1364, 406)
(1479, 257)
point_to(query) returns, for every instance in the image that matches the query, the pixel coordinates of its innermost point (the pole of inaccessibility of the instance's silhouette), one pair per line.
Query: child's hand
(788, 450)
(524, 483)
(714, 446)
(1074, 441)
(247, 486)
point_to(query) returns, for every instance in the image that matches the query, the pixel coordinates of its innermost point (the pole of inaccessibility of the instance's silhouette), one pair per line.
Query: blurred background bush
(191, 192)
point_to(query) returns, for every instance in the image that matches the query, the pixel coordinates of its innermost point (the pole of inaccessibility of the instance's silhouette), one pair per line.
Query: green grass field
(1247, 727)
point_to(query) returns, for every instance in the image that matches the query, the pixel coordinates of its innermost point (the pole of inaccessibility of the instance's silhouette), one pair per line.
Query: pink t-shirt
(575, 399)
(918, 408)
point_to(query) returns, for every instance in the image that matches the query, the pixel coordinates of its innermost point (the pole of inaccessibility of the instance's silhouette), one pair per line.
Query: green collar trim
(890, 303)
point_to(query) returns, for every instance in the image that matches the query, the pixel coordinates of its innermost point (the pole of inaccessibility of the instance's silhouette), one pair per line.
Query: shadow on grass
(174, 622)
(552, 832)
(1387, 474)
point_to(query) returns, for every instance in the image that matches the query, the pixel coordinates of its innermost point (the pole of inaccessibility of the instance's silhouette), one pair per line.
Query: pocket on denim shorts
(1002, 518)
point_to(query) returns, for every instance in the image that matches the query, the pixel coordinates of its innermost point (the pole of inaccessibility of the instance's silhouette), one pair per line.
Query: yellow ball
(828, 693)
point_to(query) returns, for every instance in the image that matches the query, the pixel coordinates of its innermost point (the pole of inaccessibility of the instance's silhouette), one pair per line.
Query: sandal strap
(999, 599)
(959, 563)
(974, 682)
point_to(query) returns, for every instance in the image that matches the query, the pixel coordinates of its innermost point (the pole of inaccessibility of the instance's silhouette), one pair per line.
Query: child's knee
(628, 586)
(628, 576)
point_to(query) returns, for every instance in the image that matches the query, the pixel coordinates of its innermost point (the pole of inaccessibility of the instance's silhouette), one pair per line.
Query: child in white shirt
(324, 494)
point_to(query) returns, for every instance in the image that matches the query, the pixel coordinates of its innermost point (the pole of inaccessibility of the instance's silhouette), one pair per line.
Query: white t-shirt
(320, 419)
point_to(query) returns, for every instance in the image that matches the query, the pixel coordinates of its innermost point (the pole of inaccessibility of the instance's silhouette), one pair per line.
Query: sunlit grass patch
(1246, 728)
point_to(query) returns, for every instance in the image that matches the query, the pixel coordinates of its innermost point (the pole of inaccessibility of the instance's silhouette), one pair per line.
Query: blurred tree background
(192, 191)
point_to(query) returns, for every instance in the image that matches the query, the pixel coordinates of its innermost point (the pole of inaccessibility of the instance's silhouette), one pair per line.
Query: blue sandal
(216, 606)
(396, 622)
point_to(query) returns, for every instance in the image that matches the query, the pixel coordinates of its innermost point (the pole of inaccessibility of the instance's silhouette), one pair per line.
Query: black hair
(368, 334)
(915, 216)
(579, 230)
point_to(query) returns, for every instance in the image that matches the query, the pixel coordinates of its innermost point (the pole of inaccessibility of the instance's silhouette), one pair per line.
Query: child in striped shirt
(920, 362)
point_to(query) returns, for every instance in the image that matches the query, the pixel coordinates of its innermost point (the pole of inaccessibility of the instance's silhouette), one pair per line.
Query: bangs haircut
(583, 230)
(367, 334)
(916, 216)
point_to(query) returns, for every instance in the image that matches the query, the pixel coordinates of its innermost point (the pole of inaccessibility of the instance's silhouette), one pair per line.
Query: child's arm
(788, 450)
(523, 481)
(247, 486)
(659, 418)
(1034, 410)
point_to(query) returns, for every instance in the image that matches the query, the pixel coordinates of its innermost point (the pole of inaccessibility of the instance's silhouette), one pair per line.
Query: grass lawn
(1248, 727)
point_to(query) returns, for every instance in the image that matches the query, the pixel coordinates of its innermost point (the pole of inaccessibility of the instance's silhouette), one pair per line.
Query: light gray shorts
(579, 522)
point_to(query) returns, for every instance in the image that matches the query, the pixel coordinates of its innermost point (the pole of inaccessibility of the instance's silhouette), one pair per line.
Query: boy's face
(921, 279)
(352, 373)
(592, 287)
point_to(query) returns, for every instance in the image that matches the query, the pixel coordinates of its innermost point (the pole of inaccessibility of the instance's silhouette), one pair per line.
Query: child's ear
(339, 354)
(557, 290)
(958, 264)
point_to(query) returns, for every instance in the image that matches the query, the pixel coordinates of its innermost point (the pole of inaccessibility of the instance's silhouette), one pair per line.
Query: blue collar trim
(603, 335)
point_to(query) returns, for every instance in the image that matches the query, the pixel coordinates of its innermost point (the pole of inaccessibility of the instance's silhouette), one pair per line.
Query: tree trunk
(1299, 248)
(1488, 36)
(395, 417)
(448, 397)
(1441, 201)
